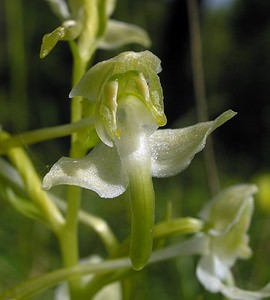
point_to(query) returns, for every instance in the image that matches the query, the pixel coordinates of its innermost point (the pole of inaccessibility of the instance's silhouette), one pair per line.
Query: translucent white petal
(100, 171)
(60, 8)
(210, 271)
(235, 293)
(214, 276)
(173, 149)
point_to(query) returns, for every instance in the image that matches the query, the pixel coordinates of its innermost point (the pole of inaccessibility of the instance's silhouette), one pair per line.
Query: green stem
(162, 231)
(99, 225)
(32, 185)
(69, 237)
(102, 280)
(102, 229)
(87, 43)
(45, 134)
(176, 227)
(82, 51)
(36, 285)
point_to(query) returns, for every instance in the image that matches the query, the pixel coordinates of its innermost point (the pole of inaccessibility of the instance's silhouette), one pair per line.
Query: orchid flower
(129, 109)
(227, 219)
(90, 22)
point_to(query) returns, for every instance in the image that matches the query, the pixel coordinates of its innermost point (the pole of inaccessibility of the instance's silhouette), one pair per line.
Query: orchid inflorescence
(121, 102)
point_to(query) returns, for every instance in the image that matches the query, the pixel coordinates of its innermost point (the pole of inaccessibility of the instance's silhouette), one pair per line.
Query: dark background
(34, 94)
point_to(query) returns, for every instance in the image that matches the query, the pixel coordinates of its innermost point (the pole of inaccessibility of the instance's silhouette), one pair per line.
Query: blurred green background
(34, 94)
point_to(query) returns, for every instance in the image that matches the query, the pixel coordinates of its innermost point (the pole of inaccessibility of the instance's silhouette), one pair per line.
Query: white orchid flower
(227, 218)
(129, 109)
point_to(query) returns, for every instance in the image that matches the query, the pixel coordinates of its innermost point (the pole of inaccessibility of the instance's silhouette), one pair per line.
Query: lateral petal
(211, 272)
(120, 33)
(100, 171)
(173, 149)
(235, 293)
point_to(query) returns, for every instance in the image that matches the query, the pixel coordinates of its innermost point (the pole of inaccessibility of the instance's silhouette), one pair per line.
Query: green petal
(100, 171)
(92, 85)
(120, 33)
(231, 201)
(173, 149)
(92, 82)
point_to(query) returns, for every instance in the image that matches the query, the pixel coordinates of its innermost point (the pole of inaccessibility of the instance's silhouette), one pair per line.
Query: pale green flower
(91, 21)
(227, 218)
(129, 110)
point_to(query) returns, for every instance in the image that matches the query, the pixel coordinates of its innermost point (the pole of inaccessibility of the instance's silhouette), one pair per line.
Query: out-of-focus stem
(199, 90)
(17, 63)
(35, 285)
(32, 185)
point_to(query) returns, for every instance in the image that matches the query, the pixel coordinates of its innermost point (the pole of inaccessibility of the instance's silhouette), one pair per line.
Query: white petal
(213, 274)
(100, 171)
(60, 8)
(173, 149)
(210, 271)
(236, 293)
